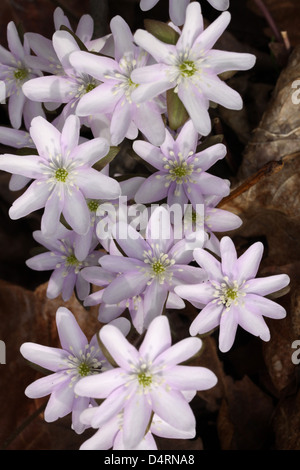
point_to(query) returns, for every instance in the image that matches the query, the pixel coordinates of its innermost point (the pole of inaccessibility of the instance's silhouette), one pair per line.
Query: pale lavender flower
(67, 86)
(181, 175)
(232, 296)
(146, 380)
(15, 70)
(113, 95)
(62, 260)
(78, 358)
(110, 435)
(191, 68)
(152, 267)
(177, 8)
(63, 176)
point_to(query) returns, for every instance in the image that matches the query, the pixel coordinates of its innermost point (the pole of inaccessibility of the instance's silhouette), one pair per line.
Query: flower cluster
(141, 244)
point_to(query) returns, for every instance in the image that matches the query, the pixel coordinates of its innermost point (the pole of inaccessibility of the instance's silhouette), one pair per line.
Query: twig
(270, 20)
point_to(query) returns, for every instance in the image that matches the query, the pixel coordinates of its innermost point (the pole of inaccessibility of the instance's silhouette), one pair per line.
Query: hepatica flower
(232, 296)
(110, 435)
(67, 85)
(15, 70)
(113, 95)
(61, 258)
(181, 175)
(63, 176)
(177, 8)
(151, 266)
(191, 68)
(146, 380)
(77, 358)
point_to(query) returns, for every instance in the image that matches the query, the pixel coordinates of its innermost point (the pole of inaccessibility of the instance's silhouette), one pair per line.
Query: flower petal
(208, 319)
(228, 326)
(171, 406)
(190, 378)
(266, 307)
(34, 198)
(47, 357)
(157, 339)
(136, 418)
(118, 347)
(267, 285)
(100, 385)
(248, 263)
(179, 352)
(71, 337)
